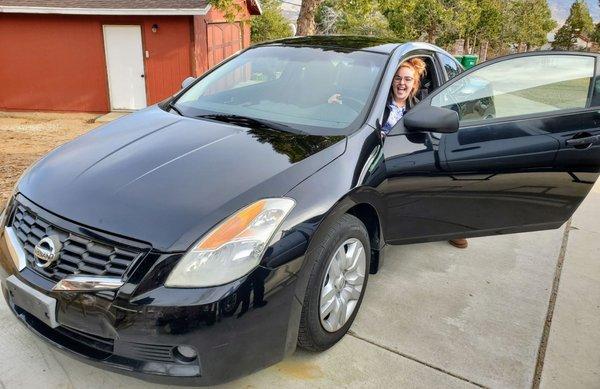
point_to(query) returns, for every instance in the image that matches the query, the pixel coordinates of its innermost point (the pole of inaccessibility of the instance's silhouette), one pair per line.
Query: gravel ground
(25, 137)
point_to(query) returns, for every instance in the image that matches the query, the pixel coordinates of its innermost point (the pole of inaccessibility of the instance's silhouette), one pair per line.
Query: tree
(596, 34)
(489, 25)
(306, 19)
(431, 18)
(579, 23)
(580, 19)
(352, 17)
(461, 23)
(533, 21)
(399, 16)
(417, 19)
(271, 24)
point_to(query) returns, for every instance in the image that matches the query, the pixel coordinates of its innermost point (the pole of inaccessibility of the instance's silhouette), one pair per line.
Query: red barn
(103, 55)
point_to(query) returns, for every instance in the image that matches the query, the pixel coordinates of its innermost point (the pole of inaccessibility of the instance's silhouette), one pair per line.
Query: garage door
(224, 39)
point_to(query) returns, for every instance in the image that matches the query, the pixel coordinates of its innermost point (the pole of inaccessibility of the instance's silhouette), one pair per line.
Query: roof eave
(254, 7)
(105, 11)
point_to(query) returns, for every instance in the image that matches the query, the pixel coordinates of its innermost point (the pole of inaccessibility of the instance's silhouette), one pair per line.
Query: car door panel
(497, 155)
(496, 174)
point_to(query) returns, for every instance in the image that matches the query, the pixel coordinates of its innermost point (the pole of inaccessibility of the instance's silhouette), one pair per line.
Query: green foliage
(431, 18)
(462, 20)
(496, 21)
(579, 23)
(425, 19)
(399, 16)
(580, 19)
(564, 38)
(489, 25)
(531, 22)
(271, 24)
(501, 25)
(352, 17)
(596, 34)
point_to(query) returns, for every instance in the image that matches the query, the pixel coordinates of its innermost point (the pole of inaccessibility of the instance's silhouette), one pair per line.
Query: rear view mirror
(428, 118)
(187, 82)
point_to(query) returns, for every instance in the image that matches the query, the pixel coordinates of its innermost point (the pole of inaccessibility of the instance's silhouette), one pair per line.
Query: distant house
(98, 56)
(581, 42)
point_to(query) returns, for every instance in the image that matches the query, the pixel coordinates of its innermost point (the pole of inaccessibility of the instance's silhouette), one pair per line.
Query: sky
(560, 9)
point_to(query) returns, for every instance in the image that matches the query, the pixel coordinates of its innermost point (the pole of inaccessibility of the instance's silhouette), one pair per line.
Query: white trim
(104, 11)
(259, 6)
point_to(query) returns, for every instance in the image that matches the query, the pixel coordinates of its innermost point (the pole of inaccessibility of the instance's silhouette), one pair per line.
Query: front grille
(79, 255)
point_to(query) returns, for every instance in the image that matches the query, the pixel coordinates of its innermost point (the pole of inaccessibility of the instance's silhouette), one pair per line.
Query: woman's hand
(335, 99)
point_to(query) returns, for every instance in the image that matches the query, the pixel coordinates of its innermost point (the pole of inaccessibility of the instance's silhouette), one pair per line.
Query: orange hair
(418, 66)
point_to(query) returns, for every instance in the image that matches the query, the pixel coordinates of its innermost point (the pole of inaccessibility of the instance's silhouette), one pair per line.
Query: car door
(525, 155)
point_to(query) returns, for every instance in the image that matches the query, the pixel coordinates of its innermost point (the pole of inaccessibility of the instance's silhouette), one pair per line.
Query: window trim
(460, 68)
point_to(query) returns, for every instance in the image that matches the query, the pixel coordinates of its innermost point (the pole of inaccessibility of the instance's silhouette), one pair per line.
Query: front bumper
(235, 329)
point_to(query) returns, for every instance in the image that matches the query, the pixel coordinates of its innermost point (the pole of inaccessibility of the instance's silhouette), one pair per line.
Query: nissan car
(210, 235)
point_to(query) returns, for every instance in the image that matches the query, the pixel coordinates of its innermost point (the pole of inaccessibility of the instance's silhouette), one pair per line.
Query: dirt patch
(25, 137)
(300, 370)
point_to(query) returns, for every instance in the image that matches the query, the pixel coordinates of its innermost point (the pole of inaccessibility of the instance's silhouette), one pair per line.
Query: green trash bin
(459, 58)
(468, 61)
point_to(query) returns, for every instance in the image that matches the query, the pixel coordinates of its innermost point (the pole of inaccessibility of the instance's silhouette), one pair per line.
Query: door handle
(588, 140)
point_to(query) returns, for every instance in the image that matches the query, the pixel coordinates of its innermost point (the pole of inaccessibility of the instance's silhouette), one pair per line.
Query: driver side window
(520, 86)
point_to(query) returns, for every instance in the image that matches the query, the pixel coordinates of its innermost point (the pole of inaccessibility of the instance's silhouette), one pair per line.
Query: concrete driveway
(505, 313)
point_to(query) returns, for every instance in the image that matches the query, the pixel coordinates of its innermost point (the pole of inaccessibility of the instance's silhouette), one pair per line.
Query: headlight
(233, 248)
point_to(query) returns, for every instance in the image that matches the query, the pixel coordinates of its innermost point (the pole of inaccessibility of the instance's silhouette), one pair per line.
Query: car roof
(348, 42)
(384, 45)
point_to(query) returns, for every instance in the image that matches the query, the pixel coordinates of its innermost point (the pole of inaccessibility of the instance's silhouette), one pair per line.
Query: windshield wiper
(174, 108)
(246, 121)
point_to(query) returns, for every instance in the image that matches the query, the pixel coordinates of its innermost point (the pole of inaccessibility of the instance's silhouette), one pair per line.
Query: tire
(319, 333)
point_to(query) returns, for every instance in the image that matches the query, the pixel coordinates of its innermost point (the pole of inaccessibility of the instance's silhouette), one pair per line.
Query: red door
(224, 39)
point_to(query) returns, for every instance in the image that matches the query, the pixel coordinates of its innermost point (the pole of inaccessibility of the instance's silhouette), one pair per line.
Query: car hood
(166, 179)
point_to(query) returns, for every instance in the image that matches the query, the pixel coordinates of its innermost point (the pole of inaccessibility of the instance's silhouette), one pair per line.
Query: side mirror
(187, 82)
(428, 118)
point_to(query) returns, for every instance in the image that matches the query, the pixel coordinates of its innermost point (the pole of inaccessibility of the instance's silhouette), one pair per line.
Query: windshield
(314, 90)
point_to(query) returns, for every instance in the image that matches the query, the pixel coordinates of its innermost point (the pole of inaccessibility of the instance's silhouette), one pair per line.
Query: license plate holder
(34, 302)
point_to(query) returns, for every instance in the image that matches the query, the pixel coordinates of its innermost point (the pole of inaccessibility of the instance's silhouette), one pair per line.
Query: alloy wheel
(343, 284)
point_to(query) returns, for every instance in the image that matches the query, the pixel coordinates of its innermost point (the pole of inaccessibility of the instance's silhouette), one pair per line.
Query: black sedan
(206, 237)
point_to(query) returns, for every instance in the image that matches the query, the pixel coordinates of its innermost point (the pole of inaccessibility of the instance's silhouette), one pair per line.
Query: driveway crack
(539, 366)
(441, 370)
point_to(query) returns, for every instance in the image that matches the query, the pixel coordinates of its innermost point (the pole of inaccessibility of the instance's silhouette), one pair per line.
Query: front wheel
(340, 270)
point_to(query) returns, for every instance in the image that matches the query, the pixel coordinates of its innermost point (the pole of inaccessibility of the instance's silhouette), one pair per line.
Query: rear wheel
(340, 269)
